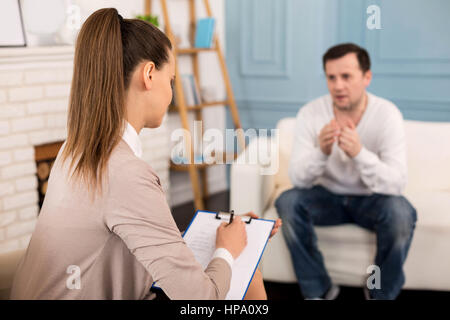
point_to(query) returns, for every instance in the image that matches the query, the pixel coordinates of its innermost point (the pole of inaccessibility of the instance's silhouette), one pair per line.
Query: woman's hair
(108, 49)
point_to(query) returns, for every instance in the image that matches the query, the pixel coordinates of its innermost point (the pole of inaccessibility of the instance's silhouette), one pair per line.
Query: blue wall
(275, 47)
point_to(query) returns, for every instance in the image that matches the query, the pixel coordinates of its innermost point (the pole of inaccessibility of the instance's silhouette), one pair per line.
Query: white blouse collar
(131, 137)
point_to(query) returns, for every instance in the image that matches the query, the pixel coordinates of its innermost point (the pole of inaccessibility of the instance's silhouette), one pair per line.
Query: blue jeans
(392, 218)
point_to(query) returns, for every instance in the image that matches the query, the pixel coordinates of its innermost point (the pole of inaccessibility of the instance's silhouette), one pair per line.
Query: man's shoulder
(384, 107)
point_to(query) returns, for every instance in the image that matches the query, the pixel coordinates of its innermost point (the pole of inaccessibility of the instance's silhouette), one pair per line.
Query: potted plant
(150, 19)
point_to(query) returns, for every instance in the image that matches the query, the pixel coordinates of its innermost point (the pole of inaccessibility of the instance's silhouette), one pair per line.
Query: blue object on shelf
(205, 33)
(179, 160)
(198, 159)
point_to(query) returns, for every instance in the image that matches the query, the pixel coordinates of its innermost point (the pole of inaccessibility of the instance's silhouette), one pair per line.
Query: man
(348, 165)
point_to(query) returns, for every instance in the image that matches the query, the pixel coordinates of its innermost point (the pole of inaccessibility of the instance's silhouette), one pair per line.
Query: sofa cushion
(433, 208)
(286, 135)
(428, 147)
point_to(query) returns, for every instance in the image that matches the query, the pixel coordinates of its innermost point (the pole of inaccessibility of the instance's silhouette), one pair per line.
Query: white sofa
(349, 250)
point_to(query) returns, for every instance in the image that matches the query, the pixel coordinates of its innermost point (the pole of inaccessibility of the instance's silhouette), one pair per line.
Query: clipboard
(200, 237)
(202, 242)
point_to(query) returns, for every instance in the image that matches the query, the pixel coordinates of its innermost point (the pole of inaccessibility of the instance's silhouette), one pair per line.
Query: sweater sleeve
(308, 162)
(386, 171)
(138, 213)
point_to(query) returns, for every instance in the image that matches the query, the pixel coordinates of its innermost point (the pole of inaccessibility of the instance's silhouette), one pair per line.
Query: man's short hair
(341, 50)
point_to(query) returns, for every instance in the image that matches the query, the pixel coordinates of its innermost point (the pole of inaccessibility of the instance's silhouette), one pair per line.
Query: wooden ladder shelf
(199, 193)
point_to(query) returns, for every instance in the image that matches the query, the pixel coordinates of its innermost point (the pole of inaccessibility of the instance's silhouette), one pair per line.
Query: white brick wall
(17, 170)
(7, 218)
(5, 158)
(11, 79)
(6, 188)
(20, 200)
(12, 111)
(2, 96)
(4, 127)
(24, 154)
(25, 93)
(27, 124)
(34, 98)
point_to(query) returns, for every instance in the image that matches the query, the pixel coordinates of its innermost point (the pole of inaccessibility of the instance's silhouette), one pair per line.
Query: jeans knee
(295, 220)
(287, 203)
(400, 217)
(284, 202)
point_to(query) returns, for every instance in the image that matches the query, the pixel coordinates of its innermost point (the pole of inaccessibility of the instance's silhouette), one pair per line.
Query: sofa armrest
(252, 181)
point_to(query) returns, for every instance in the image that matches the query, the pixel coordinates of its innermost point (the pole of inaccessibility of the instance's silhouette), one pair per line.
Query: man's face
(346, 81)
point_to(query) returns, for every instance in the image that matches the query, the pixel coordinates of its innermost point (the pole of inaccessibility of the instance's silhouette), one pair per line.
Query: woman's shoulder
(124, 165)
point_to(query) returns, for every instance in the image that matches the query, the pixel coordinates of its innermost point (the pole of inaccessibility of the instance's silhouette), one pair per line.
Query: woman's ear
(149, 71)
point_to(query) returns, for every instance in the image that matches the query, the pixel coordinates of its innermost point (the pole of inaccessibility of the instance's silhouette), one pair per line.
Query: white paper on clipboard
(201, 238)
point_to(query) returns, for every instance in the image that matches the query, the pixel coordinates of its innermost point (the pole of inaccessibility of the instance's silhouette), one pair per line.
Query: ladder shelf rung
(193, 50)
(174, 108)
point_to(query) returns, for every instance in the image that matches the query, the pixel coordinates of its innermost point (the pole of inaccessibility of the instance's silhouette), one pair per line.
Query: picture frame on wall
(12, 33)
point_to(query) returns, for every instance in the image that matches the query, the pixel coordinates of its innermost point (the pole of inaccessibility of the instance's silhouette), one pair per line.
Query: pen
(232, 216)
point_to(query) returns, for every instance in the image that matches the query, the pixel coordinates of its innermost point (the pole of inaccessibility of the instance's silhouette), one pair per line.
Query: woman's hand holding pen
(232, 237)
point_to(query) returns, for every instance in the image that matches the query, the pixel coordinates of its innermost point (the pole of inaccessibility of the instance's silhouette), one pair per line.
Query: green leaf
(150, 19)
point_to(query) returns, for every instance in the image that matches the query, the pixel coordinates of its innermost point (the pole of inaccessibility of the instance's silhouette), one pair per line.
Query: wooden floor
(184, 213)
(280, 291)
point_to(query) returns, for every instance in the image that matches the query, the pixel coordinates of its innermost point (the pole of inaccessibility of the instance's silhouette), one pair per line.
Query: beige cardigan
(120, 243)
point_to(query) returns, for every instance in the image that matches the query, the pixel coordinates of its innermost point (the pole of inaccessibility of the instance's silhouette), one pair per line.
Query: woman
(105, 230)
